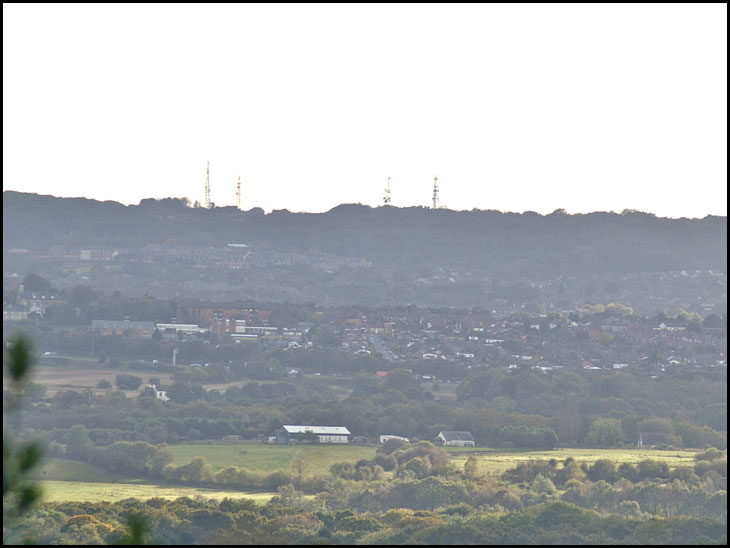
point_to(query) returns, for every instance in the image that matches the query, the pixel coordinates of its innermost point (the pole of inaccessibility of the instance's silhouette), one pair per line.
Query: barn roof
(319, 430)
(453, 435)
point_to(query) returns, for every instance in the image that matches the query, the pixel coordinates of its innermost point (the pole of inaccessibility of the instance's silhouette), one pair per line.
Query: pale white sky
(514, 107)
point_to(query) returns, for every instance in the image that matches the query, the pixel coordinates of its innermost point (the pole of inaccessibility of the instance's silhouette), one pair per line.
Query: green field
(57, 491)
(267, 458)
(72, 470)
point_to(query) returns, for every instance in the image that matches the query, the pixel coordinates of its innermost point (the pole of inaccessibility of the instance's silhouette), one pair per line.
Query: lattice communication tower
(207, 186)
(238, 193)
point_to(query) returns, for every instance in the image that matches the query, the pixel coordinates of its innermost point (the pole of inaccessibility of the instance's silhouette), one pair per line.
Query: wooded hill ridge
(418, 237)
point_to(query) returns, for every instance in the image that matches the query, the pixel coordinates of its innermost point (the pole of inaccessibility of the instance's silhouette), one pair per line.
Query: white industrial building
(184, 328)
(290, 434)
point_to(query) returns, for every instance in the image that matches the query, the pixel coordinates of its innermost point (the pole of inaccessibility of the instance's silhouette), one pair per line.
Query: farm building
(653, 439)
(386, 437)
(293, 434)
(451, 438)
(159, 394)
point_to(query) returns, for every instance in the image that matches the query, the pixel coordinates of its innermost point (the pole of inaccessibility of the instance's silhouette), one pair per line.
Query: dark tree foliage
(548, 244)
(128, 382)
(19, 459)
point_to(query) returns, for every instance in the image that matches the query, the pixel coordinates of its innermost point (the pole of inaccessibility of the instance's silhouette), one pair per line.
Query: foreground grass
(58, 491)
(267, 458)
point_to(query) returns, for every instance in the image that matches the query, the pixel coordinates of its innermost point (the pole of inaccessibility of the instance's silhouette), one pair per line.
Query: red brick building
(222, 319)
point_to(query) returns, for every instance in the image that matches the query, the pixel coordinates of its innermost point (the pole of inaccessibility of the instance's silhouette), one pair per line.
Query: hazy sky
(513, 107)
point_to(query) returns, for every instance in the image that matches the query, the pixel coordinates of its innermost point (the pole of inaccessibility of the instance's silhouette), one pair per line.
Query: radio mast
(435, 192)
(238, 193)
(207, 186)
(386, 199)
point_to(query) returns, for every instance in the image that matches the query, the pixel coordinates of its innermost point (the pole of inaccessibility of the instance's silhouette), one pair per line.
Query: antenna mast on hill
(386, 199)
(207, 186)
(435, 192)
(238, 193)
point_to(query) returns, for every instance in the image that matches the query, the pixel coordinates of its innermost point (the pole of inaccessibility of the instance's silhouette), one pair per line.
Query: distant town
(601, 336)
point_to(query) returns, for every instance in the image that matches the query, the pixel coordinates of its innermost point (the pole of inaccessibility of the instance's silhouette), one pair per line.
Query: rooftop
(298, 429)
(452, 435)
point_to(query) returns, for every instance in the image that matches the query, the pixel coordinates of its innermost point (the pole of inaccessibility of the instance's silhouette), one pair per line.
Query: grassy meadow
(268, 458)
(319, 458)
(55, 469)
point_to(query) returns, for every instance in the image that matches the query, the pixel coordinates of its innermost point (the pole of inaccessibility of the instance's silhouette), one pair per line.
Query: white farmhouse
(452, 438)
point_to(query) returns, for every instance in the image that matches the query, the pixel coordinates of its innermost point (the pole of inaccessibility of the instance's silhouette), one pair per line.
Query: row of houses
(290, 434)
(145, 329)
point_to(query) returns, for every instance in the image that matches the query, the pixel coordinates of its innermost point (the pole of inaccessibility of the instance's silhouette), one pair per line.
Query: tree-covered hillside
(527, 244)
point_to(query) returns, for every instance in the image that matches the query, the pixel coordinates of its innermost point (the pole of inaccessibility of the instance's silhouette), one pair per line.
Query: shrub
(419, 466)
(628, 471)
(543, 485)
(344, 470)
(391, 445)
(128, 382)
(276, 479)
(386, 462)
(461, 509)
(711, 454)
(653, 469)
(603, 469)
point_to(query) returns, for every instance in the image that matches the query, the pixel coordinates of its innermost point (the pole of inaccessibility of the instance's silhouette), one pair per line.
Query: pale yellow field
(496, 461)
(56, 491)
